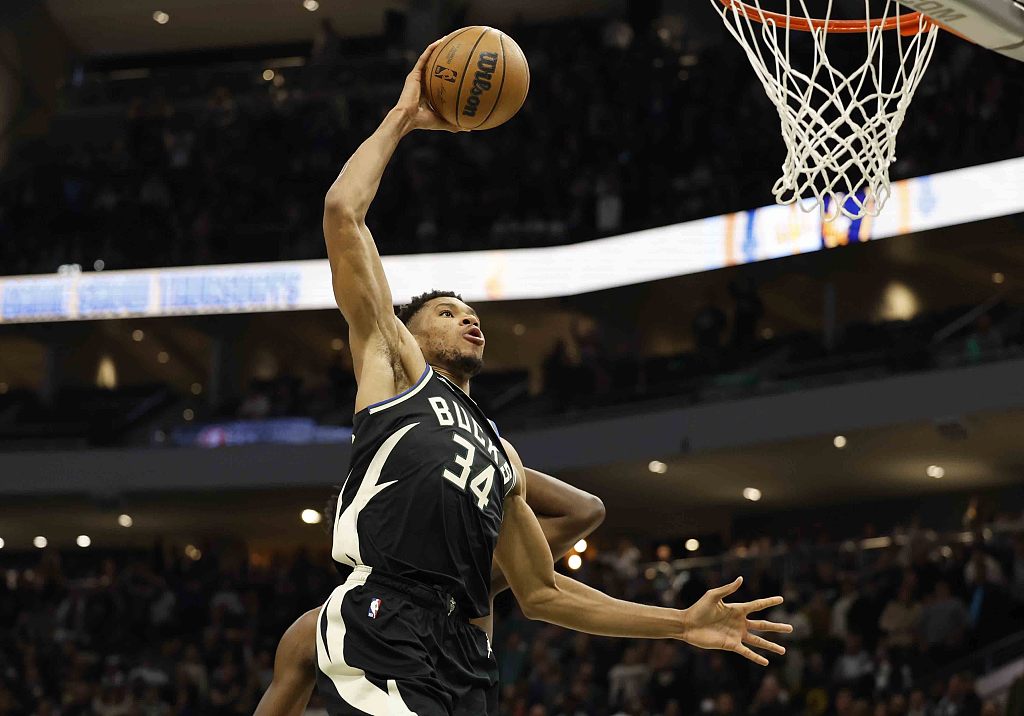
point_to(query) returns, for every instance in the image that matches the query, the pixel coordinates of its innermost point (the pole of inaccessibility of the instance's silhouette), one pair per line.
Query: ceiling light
(998, 277)
(311, 517)
(752, 494)
(83, 540)
(1, 543)
(39, 542)
(268, 75)
(162, 357)
(839, 441)
(138, 335)
(98, 265)
(692, 545)
(519, 329)
(161, 17)
(125, 520)
(193, 552)
(337, 344)
(311, 5)
(196, 388)
(188, 414)
(574, 561)
(580, 546)
(935, 471)
(657, 467)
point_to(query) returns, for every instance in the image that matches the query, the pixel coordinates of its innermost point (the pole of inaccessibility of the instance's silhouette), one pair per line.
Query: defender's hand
(413, 102)
(713, 624)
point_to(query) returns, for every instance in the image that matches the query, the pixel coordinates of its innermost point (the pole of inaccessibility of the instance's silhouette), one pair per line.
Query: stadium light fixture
(138, 335)
(580, 546)
(574, 561)
(196, 388)
(657, 467)
(125, 520)
(692, 545)
(311, 517)
(83, 541)
(99, 265)
(163, 357)
(752, 494)
(187, 414)
(268, 74)
(935, 471)
(1, 542)
(337, 344)
(998, 277)
(839, 441)
(311, 5)
(161, 17)
(40, 542)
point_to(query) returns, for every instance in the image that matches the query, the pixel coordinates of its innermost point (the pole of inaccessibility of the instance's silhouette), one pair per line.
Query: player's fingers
(760, 643)
(418, 67)
(727, 589)
(759, 604)
(748, 654)
(762, 625)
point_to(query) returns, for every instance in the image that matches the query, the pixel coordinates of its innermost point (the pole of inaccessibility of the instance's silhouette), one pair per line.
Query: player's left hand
(713, 624)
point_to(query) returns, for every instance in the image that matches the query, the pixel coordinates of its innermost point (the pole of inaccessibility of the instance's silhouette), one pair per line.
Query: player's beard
(461, 364)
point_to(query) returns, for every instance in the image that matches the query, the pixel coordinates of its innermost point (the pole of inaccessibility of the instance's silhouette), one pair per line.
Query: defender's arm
(294, 670)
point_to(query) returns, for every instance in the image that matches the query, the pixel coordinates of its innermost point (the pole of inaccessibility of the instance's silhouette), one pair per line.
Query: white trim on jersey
(351, 683)
(346, 533)
(402, 397)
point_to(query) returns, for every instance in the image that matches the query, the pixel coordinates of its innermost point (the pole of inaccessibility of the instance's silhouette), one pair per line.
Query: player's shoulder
(519, 470)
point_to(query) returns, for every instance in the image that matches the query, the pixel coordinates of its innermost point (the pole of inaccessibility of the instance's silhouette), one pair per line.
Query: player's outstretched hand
(413, 101)
(713, 624)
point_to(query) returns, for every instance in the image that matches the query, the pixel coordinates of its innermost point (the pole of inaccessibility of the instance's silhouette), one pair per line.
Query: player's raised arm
(523, 555)
(360, 287)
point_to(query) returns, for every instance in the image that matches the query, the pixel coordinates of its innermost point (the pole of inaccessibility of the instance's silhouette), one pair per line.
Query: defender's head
(447, 330)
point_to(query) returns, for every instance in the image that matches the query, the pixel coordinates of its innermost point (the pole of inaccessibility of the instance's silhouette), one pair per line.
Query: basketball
(477, 78)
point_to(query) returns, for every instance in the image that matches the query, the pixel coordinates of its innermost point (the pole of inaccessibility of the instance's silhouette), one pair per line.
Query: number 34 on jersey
(461, 472)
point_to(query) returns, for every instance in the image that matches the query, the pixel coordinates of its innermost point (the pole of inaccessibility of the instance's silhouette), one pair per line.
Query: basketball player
(434, 493)
(566, 515)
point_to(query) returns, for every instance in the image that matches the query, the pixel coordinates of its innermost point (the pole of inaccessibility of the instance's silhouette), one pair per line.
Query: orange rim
(907, 24)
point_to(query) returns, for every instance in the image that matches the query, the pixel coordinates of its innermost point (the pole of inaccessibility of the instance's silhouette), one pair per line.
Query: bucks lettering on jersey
(423, 498)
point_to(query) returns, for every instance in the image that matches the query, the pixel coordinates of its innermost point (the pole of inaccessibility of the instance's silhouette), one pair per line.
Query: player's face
(449, 333)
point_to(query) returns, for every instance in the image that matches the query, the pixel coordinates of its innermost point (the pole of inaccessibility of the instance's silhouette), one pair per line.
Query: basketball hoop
(839, 126)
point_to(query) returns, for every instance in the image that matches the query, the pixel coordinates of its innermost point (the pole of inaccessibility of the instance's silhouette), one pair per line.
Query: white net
(839, 124)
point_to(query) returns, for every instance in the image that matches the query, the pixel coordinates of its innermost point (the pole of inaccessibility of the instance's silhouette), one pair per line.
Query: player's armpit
(294, 670)
(566, 515)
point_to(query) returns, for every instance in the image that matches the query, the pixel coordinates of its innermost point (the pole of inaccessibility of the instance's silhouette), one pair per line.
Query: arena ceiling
(125, 27)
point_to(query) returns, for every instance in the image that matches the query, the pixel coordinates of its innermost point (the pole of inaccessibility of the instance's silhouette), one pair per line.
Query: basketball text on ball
(486, 66)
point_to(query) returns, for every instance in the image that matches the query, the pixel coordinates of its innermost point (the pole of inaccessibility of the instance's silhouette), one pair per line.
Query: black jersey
(423, 498)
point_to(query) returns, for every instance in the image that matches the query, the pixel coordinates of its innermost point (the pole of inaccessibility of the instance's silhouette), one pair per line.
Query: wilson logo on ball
(445, 73)
(486, 66)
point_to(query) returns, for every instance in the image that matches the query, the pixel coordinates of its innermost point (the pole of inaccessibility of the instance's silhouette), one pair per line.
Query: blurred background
(834, 412)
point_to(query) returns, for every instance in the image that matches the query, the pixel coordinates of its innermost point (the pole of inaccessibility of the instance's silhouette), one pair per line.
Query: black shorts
(388, 646)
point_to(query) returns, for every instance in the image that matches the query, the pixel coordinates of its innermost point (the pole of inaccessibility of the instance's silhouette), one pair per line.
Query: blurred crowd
(877, 631)
(626, 128)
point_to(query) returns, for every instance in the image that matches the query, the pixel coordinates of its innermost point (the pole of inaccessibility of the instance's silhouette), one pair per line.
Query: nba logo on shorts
(374, 608)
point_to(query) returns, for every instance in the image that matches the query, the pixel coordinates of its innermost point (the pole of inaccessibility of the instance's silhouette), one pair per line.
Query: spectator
(944, 622)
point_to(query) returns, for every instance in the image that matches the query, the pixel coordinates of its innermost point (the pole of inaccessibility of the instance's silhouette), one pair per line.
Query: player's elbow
(538, 603)
(591, 513)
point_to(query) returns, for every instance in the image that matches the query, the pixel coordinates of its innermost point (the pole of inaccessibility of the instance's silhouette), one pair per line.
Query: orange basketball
(477, 78)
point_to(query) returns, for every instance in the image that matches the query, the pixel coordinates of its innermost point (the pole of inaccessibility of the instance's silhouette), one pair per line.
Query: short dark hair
(406, 312)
